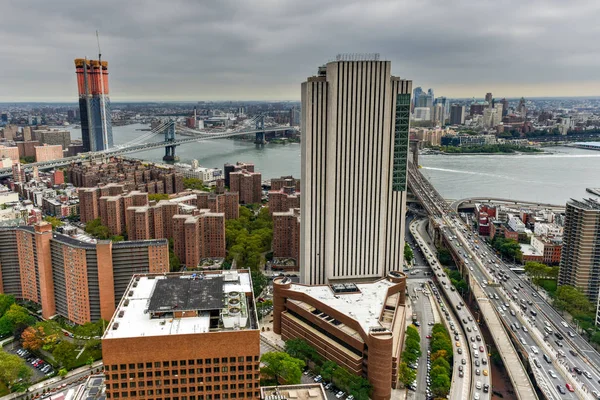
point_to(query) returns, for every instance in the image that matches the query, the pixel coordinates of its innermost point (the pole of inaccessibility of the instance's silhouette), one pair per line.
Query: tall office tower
(94, 104)
(580, 258)
(489, 98)
(355, 122)
(430, 93)
(416, 94)
(504, 107)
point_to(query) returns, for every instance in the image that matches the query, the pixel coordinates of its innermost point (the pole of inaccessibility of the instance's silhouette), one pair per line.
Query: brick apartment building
(27, 149)
(150, 222)
(48, 152)
(112, 210)
(44, 135)
(286, 234)
(227, 203)
(191, 337)
(133, 174)
(199, 236)
(248, 184)
(238, 166)
(358, 326)
(10, 152)
(80, 281)
(284, 194)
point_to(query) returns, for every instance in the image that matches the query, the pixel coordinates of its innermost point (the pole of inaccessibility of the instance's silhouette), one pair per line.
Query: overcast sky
(264, 49)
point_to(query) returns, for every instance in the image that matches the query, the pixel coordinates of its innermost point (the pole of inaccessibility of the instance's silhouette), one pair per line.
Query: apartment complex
(248, 184)
(198, 236)
(48, 152)
(580, 258)
(359, 326)
(192, 336)
(284, 194)
(286, 234)
(355, 124)
(238, 166)
(133, 174)
(113, 210)
(81, 281)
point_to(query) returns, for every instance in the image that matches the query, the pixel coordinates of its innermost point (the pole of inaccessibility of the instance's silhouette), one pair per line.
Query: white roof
(136, 321)
(364, 307)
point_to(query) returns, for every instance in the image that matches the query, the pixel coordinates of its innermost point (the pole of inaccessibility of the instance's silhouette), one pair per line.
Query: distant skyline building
(416, 94)
(457, 114)
(94, 104)
(580, 257)
(355, 121)
(489, 98)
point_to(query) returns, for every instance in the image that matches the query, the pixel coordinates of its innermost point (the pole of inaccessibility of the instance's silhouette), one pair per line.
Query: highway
(464, 330)
(564, 354)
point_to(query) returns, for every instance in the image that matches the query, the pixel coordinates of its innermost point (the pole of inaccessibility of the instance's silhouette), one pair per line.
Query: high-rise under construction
(94, 104)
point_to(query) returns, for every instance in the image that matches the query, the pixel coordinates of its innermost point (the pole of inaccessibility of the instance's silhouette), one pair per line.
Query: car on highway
(486, 388)
(561, 389)
(552, 374)
(463, 361)
(481, 349)
(476, 396)
(569, 387)
(485, 372)
(534, 349)
(478, 385)
(587, 374)
(459, 350)
(457, 344)
(537, 363)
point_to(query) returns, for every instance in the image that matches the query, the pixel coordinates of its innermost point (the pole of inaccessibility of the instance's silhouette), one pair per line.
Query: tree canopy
(508, 248)
(13, 317)
(13, 368)
(282, 365)
(248, 237)
(408, 253)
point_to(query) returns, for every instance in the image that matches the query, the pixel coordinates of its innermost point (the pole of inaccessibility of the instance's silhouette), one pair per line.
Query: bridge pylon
(170, 137)
(260, 136)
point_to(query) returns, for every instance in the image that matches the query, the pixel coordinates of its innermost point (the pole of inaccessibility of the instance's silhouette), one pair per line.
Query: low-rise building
(193, 336)
(549, 247)
(359, 326)
(305, 391)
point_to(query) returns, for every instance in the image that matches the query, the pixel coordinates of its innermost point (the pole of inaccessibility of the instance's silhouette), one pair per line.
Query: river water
(550, 178)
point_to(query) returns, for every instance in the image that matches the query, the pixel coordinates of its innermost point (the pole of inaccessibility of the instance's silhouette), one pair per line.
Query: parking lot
(309, 377)
(37, 374)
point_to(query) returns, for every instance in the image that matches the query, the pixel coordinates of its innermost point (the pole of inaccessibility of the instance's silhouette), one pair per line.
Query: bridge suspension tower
(169, 131)
(260, 125)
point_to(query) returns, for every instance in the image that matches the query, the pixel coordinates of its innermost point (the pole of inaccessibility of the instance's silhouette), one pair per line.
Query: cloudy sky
(264, 49)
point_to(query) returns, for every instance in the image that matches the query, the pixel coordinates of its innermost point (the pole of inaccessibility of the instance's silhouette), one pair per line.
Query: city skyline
(260, 51)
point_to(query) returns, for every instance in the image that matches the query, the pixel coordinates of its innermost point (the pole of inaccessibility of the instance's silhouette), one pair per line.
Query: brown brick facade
(219, 365)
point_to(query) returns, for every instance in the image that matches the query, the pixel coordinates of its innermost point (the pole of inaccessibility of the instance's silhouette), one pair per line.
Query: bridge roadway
(455, 205)
(577, 352)
(451, 317)
(438, 209)
(4, 172)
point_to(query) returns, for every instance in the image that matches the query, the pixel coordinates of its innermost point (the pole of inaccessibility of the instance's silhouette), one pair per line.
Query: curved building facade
(359, 326)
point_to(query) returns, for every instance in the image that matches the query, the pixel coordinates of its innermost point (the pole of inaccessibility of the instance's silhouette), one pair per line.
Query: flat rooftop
(178, 304)
(311, 391)
(363, 302)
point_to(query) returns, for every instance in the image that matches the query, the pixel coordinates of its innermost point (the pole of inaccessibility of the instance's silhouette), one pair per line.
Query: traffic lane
(522, 337)
(424, 317)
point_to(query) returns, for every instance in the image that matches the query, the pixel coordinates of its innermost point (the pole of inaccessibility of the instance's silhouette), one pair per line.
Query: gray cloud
(263, 49)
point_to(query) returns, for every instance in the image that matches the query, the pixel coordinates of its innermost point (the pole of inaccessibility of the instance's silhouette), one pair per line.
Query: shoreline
(516, 153)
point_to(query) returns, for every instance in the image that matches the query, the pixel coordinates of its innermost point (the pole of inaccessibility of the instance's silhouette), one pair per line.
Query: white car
(552, 374)
(534, 349)
(340, 394)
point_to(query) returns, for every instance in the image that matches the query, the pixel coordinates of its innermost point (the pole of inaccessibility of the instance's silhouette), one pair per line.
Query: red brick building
(48, 152)
(286, 234)
(80, 281)
(359, 326)
(199, 236)
(247, 184)
(188, 337)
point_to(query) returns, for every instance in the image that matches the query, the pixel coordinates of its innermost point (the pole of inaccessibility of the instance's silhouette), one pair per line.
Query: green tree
(13, 317)
(406, 375)
(62, 372)
(299, 348)
(174, 262)
(444, 256)
(408, 253)
(259, 281)
(282, 365)
(64, 353)
(12, 369)
(6, 300)
(595, 338)
(441, 362)
(572, 300)
(327, 369)
(55, 222)
(158, 197)
(194, 184)
(536, 270)
(440, 382)
(96, 229)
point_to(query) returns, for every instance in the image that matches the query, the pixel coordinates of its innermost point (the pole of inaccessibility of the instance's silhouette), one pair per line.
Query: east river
(549, 178)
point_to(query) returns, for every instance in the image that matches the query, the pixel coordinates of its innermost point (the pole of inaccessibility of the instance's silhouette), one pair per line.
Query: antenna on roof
(98, 40)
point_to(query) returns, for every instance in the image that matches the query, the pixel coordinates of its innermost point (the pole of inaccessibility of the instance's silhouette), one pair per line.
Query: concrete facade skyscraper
(355, 122)
(94, 104)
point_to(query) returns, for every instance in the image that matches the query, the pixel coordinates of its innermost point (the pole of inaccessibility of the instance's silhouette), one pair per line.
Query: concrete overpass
(456, 205)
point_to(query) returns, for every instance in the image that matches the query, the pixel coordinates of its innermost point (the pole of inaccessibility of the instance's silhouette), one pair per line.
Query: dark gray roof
(176, 294)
